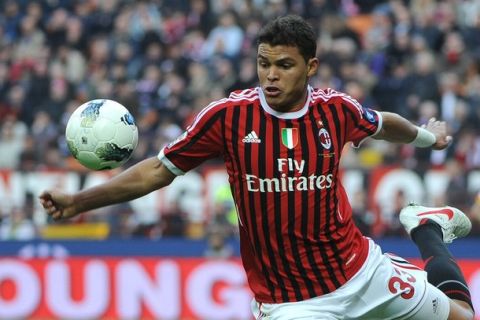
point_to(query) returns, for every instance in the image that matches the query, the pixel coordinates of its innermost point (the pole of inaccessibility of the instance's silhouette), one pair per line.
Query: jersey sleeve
(202, 140)
(361, 122)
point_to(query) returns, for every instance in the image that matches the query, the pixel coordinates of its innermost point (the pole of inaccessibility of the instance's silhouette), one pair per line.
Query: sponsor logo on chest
(291, 178)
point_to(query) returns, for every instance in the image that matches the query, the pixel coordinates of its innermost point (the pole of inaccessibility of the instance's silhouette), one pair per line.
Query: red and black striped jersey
(298, 239)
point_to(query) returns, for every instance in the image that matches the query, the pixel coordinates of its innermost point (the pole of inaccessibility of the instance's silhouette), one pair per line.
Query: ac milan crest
(325, 139)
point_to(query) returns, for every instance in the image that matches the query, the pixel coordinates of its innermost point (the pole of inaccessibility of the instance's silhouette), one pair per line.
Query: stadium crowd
(165, 60)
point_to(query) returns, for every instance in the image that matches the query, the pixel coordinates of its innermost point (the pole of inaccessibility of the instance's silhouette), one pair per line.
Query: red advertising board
(123, 288)
(136, 288)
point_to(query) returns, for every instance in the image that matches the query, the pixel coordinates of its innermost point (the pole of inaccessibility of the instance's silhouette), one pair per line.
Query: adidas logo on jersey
(251, 138)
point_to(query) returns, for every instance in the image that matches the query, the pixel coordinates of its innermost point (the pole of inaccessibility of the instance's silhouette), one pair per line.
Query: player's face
(283, 75)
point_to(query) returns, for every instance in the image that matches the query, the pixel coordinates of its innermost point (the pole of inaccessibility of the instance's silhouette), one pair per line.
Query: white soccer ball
(101, 134)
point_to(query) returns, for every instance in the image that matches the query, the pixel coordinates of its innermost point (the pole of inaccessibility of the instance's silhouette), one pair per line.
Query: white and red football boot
(454, 223)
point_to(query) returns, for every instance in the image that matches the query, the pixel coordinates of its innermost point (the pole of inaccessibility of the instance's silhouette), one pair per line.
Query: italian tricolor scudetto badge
(289, 137)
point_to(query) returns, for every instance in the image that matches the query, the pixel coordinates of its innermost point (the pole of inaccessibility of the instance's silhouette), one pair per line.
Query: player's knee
(460, 310)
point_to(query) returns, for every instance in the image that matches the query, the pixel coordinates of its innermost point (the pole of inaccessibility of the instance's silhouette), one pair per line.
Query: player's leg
(430, 229)
(460, 310)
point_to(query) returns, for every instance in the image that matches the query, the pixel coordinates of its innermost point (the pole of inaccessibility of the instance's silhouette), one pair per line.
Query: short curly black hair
(290, 30)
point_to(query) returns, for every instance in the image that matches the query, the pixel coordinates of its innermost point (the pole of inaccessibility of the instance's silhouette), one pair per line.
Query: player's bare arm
(139, 180)
(397, 129)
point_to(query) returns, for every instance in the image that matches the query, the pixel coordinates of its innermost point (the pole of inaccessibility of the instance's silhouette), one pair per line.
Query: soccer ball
(101, 134)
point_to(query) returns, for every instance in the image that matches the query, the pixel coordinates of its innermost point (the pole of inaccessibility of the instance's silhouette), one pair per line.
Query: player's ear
(312, 66)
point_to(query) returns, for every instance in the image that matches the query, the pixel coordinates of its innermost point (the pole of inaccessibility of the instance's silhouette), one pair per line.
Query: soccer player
(281, 143)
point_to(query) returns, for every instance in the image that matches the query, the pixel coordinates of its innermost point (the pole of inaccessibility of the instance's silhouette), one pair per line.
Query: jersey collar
(285, 115)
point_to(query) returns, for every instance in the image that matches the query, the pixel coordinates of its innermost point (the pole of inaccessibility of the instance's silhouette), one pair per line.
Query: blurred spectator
(75, 37)
(217, 245)
(12, 139)
(474, 214)
(379, 34)
(457, 194)
(224, 214)
(356, 91)
(200, 16)
(450, 91)
(272, 8)
(363, 218)
(44, 132)
(16, 104)
(226, 38)
(121, 219)
(422, 84)
(56, 27)
(59, 93)
(247, 76)
(454, 56)
(424, 156)
(391, 91)
(73, 63)
(11, 16)
(30, 42)
(28, 157)
(38, 89)
(391, 222)
(173, 223)
(223, 73)
(145, 20)
(197, 73)
(17, 226)
(467, 149)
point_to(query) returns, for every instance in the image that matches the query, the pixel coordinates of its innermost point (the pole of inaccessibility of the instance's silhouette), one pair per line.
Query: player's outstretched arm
(139, 180)
(395, 128)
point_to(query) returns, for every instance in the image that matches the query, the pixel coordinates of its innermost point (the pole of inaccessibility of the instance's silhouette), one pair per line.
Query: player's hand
(439, 129)
(58, 205)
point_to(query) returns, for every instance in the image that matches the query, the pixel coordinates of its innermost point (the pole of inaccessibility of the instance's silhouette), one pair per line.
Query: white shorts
(386, 287)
